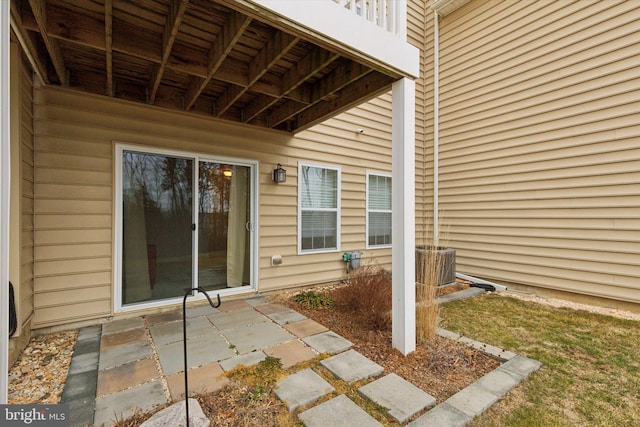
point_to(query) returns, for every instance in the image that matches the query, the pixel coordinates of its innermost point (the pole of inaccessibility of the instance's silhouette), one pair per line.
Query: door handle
(248, 226)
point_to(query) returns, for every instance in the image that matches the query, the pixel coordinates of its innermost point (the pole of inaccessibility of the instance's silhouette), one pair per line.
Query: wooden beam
(339, 78)
(370, 86)
(39, 9)
(28, 44)
(177, 10)
(108, 43)
(315, 61)
(272, 52)
(226, 40)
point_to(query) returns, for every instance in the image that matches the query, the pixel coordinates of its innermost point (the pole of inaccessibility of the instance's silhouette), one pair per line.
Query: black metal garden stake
(184, 338)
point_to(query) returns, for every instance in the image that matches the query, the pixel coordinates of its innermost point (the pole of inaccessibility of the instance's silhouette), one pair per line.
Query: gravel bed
(40, 373)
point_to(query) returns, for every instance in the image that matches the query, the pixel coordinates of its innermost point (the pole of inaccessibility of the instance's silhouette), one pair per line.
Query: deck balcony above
(278, 64)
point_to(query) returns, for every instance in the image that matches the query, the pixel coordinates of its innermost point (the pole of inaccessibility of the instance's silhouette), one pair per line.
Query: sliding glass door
(184, 221)
(224, 225)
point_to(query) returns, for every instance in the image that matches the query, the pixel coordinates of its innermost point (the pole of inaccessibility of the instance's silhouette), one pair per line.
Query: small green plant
(232, 346)
(314, 301)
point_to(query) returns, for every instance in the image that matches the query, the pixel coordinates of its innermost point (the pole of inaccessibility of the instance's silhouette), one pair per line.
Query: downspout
(481, 281)
(436, 125)
(5, 182)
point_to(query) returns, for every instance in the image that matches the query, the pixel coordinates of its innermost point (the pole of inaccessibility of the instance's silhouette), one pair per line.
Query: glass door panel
(224, 225)
(157, 213)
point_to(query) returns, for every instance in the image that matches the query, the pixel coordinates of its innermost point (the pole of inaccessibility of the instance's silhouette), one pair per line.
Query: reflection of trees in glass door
(157, 237)
(157, 203)
(224, 224)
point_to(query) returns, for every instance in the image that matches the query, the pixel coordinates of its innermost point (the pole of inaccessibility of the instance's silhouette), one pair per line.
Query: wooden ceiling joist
(226, 40)
(213, 57)
(39, 10)
(176, 13)
(108, 44)
(272, 52)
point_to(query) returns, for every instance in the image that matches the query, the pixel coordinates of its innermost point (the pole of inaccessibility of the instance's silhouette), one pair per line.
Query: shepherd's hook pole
(184, 338)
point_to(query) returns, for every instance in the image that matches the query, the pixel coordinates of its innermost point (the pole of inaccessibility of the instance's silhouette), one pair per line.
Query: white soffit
(445, 7)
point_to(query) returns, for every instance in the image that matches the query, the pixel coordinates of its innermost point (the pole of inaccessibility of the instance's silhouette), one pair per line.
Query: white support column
(403, 237)
(5, 181)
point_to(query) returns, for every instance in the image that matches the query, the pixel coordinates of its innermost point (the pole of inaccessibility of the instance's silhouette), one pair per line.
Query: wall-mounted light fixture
(227, 172)
(279, 174)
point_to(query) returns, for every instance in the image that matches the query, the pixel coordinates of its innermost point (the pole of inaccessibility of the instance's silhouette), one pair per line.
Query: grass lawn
(591, 363)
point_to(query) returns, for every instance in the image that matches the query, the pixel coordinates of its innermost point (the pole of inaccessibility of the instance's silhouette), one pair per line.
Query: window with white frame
(378, 210)
(318, 208)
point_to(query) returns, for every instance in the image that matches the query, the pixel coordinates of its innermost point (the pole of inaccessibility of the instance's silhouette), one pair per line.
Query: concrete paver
(165, 333)
(499, 382)
(125, 376)
(236, 319)
(84, 362)
(163, 317)
(287, 316)
(401, 398)
(472, 400)
(122, 338)
(121, 325)
(338, 412)
(125, 354)
(245, 333)
(125, 403)
(290, 353)
(270, 308)
(441, 416)
(522, 366)
(464, 294)
(199, 351)
(248, 359)
(302, 388)
(352, 366)
(255, 337)
(203, 379)
(200, 310)
(328, 342)
(305, 328)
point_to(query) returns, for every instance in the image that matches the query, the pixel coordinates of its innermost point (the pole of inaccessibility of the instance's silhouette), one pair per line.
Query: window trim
(367, 211)
(337, 209)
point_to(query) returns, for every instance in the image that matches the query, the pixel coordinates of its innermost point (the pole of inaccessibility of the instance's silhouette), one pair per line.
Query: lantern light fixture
(279, 174)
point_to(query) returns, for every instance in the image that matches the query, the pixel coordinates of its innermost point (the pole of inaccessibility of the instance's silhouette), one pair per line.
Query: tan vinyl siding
(423, 26)
(27, 195)
(74, 223)
(540, 143)
(21, 241)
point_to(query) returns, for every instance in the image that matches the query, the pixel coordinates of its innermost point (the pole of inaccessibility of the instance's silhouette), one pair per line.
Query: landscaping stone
(248, 359)
(305, 328)
(200, 351)
(472, 400)
(400, 397)
(124, 404)
(302, 388)
(255, 337)
(125, 354)
(287, 316)
(352, 366)
(499, 382)
(176, 416)
(204, 379)
(442, 415)
(328, 342)
(125, 376)
(122, 325)
(338, 412)
(236, 319)
(291, 353)
(522, 366)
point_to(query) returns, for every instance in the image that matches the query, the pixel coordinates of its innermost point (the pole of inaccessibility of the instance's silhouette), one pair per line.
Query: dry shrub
(427, 308)
(368, 294)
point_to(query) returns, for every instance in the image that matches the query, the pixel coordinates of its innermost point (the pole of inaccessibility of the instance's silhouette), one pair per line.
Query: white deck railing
(387, 14)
